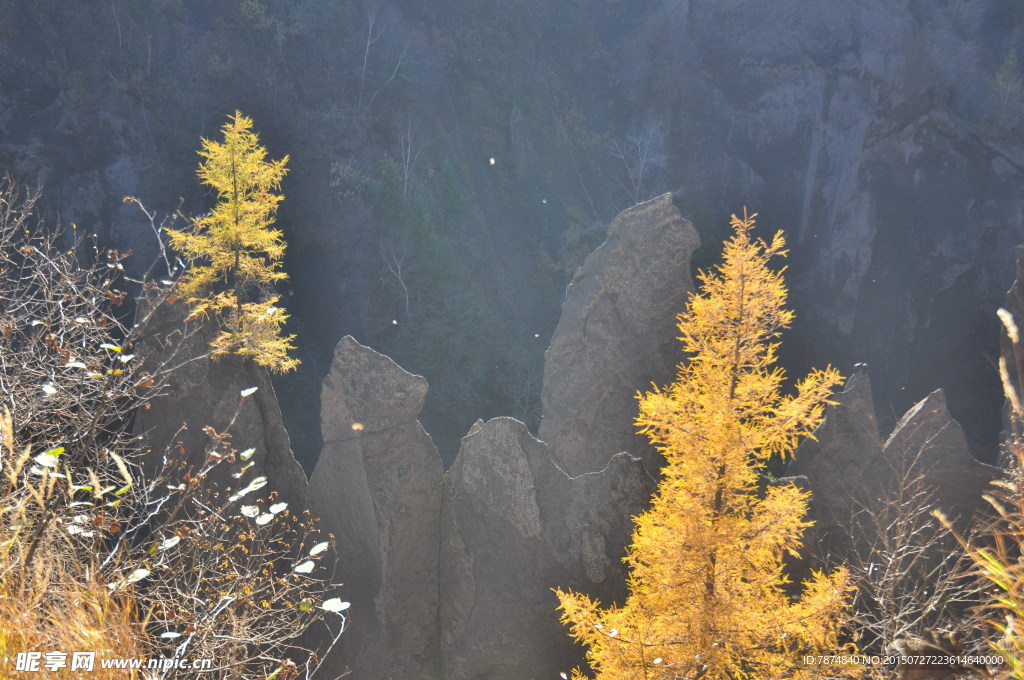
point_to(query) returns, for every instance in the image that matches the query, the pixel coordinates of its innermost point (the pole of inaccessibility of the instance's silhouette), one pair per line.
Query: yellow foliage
(235, 252)
(706, 580)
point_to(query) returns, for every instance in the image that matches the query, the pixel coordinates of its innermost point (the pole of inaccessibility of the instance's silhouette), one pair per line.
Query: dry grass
(49, 599)
(998, 550)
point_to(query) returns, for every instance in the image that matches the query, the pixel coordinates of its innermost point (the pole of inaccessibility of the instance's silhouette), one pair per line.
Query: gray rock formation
(377, 489)
(514, 526)
(928, 442)
(207, 392)
(848, 468)
(453, 578)
(846, 444)
(616, 336)
(877, 145)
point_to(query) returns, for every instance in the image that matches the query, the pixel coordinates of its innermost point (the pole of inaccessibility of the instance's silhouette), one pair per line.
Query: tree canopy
(235, 252)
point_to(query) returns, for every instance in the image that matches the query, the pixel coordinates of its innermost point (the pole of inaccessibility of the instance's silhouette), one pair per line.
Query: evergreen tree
(235, 252)
(707, 586)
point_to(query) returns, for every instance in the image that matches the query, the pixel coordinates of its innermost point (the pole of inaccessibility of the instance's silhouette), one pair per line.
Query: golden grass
(50, 598)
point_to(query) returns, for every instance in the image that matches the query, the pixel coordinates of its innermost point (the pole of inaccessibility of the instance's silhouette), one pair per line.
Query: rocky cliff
(616, 335)
(883, 136)
(207, 392)
(849, 469)
(377, 489)
(451, 575)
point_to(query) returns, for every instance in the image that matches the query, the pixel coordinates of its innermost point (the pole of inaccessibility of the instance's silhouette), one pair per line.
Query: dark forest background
(884, 137)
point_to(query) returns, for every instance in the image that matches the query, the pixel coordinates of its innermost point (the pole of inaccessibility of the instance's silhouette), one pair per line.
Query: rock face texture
(207, 392)
(377, 489)
(848, 443)
(874, 132)
(849, 468)
(616, 336)
(928, 442)
(882, 156)
(452, 577)
(513, 527)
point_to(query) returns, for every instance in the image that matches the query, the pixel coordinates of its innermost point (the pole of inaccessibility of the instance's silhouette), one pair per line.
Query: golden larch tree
(707, 588)
(235, 252)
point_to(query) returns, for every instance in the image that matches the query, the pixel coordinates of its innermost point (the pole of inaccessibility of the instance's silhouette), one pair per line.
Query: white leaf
(250, 510)
(170, 635)
(318, 548)
(138, 575)
(247, 391)
(563, 676)
(277, 507)
(49, 458)
(265, 518)
(657, 661)
(247, 454)
(613, 632)
(305, 567)
(48, 388)
(76, 364)
(170, 542)
(114, 348)
(126, 358)
(255, 484)
(335, 605)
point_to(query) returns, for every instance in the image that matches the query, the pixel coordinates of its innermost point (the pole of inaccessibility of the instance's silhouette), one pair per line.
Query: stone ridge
(616, 336)
(849, 470)
(514, 526)
(451, 576)
(376, 487)
(207, 392)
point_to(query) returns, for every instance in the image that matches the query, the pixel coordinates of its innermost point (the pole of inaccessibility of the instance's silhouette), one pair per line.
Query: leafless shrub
(642, 156)
(190, 569)
(913, 580)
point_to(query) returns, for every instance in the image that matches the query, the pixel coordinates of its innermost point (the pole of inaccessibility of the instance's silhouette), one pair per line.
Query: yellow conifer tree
(235, 252)
(706, 585)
